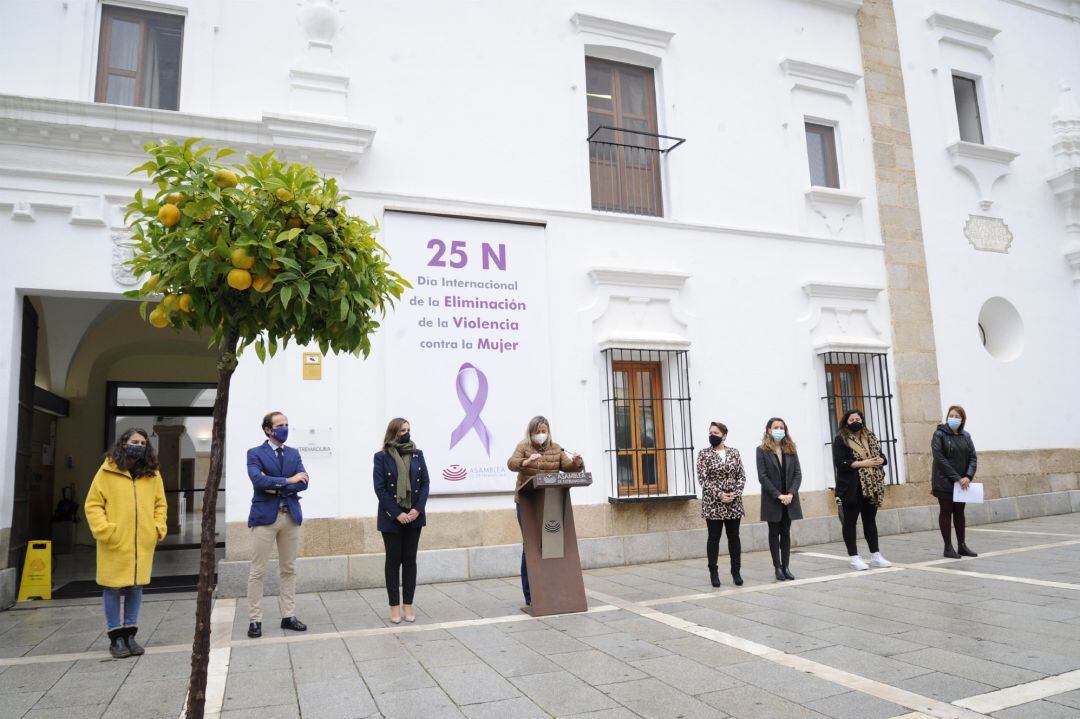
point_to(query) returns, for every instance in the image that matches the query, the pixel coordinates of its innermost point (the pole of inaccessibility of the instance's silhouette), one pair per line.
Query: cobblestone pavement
(995, 636)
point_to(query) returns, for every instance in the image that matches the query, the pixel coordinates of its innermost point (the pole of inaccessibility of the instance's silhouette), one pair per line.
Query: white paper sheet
(972, 495)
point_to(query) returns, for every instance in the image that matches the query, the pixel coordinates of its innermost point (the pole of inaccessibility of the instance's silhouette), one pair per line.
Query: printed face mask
(135, 451)
(280, 433)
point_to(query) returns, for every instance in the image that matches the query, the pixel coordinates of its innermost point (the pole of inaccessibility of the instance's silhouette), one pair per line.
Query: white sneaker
(857, 563)
(877, 561)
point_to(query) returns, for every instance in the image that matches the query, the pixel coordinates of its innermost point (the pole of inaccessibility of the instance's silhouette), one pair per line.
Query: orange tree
(258, 254)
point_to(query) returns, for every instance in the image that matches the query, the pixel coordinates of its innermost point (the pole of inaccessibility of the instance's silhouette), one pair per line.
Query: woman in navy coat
(401, 513)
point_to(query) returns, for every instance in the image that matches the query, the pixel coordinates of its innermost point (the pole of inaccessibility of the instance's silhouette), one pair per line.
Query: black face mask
(855, 426)
(715, 440)
(404, 439)
(135, 451)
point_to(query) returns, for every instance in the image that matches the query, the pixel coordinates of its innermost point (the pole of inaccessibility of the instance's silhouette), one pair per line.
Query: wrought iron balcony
(624, 169)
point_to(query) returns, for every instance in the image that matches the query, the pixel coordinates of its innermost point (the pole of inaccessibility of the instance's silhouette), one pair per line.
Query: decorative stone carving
(619, 30)
(318, 83)
(638, 309)
(833, 206)
(842, 318)
(989, 234)
(1066, 184)
(122, 252)
(984, 165)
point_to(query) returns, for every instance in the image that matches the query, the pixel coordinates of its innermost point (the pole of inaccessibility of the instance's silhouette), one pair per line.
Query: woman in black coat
(954, 462)
(860, 485)
(780, 475)
(401, 513)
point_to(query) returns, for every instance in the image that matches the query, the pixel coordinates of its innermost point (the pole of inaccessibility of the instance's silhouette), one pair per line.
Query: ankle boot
(129, 639)
(118, 648)
(736, 575)
(965, 552)
(779, 574)
(787, 573)
(714, 576)
(950, 553)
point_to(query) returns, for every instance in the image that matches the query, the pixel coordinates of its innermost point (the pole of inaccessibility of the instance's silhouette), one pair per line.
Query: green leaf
(224, 152)
(260, 350)
(286, 295)
(288, 235)
(142, 310)
(305, 288)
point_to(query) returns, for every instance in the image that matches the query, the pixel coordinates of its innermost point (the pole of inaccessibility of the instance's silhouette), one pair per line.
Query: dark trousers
(524, 568)
(852, 511)
(734, 544)
(780, 540)
(951, 513)
(401, 549)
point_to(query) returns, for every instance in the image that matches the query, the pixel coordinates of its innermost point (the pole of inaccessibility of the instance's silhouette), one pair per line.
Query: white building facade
(649, 216)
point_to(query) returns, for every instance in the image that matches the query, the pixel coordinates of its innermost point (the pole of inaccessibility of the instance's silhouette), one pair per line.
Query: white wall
(1029, 402)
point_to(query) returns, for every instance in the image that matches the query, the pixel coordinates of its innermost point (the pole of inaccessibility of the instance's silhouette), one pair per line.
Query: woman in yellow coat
(125, 509)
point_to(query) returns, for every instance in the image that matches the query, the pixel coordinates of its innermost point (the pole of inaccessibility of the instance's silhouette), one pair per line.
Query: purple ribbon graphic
(472, 408)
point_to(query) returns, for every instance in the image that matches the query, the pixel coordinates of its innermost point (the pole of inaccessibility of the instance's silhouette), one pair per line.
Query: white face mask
(539, 438)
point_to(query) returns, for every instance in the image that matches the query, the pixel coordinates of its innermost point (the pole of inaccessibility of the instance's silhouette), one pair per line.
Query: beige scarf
(871, 479)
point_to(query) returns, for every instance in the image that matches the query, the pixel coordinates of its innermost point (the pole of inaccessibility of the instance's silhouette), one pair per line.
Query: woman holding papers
(954, 465)
(860, 485)
(780, 475)
(533, 454)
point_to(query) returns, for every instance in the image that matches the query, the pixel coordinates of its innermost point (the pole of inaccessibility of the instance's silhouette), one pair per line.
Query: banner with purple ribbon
(467, 349)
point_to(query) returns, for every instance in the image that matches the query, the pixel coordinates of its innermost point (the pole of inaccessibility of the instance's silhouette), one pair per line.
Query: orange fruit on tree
(225, 178)
(168, 215)
(313, 251)
(239, 279)
(158, 318)
(174, 198)
(168, 302)
(293, 223)
(185, 303)
(263, 284)
(152, 283)
(241, 259)
(284, 195)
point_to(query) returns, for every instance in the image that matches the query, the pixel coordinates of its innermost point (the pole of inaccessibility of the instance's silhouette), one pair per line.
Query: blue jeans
(132, 602)
(524, 569)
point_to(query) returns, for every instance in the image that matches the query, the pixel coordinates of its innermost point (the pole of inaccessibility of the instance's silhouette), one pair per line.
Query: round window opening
(1001, 329)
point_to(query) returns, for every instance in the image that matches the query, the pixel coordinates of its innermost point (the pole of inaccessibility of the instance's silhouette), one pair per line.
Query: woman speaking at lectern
(534, 454)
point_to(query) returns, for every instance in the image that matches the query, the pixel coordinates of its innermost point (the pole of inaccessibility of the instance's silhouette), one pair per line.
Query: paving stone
(624, 646)
(425, 703)
(686, 675)
(161, 667)
(856, 705)
(148, 700)
(336, 699)
(1069, 699)
(473, 684)
(561, 693)
(653, 699)
(783, 681)
(259, 658)
(15, 704)
(595, 667)
(79, 712)
(549, 641)
(515, 660)
(711, 654)
(866, 664)
(377, 647)
(944, 687)
(442, 653)
(281, 711)
(754, 703)
(520, 708)
(259, 689)
(978, 670)
(577, 625)
(394, 675)
(321, 661)
(618, 713)
(78, 689)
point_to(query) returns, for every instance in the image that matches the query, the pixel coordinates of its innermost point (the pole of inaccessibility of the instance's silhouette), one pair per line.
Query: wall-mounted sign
(312, 365)
(989, 234)
(468, 346)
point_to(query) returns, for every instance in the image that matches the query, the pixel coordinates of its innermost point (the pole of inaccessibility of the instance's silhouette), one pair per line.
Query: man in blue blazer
(277, 476)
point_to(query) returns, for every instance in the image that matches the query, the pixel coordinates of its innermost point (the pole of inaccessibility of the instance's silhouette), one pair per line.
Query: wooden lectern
(551, 550)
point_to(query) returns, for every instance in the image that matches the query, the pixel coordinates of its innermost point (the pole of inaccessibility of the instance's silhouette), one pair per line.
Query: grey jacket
(772, 481)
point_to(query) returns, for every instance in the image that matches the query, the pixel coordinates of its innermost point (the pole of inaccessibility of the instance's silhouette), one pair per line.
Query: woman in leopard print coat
(723, 478)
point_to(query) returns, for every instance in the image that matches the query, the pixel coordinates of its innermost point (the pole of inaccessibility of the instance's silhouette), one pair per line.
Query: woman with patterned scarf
(401, 484)
(860, 485)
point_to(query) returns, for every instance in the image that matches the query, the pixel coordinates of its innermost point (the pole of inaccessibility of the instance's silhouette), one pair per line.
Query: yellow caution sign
(37, 571)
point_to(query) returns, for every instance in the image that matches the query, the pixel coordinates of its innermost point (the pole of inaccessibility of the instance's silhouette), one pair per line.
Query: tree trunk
(200, 647)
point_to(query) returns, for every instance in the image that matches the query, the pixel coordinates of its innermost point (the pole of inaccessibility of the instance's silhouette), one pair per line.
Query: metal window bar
(874, 398)
(663, 468)
(624, 169)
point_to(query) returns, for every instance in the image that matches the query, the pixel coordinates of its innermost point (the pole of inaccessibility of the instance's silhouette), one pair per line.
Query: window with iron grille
(860, 380)
(647, 407)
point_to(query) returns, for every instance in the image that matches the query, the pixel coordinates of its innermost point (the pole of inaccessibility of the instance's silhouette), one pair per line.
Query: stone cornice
(331, 145)
(821, 73)
(657, 279)
(620, 30)
(978, 151)
(841, 291)
(848, 6)
(953, 24)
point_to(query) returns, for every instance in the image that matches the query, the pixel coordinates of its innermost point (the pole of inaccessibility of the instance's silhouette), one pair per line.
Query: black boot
(779, 574)
(736, 576)
(950, 553)
(118, 648)
(965, 552)
(787, 573)
(714, 576)
(129, 639)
